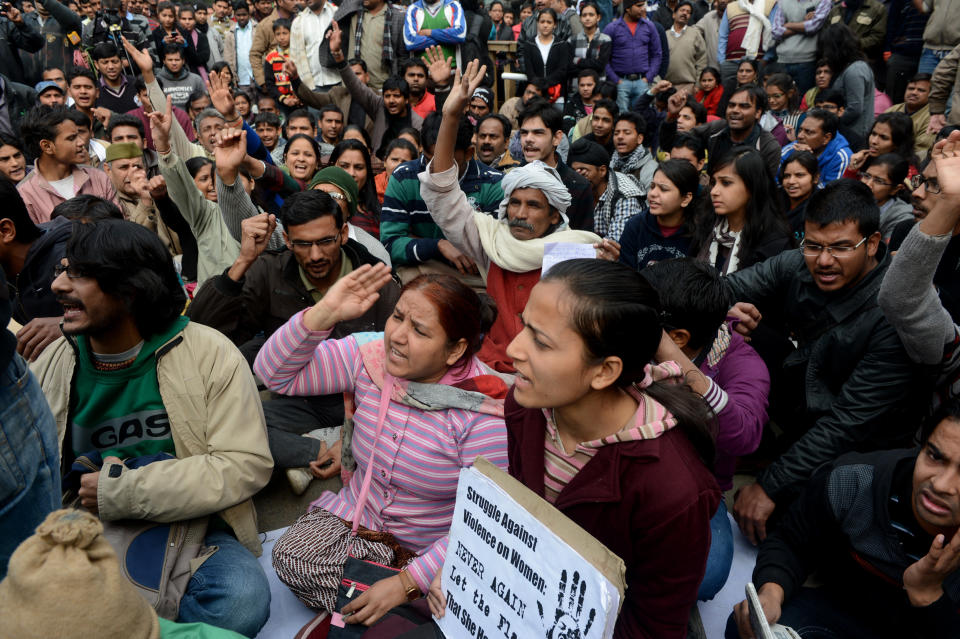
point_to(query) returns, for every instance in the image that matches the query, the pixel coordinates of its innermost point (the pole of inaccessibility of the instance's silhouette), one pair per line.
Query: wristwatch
(411, 589)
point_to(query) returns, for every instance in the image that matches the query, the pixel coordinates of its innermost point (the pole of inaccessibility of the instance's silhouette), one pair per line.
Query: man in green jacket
(132, 378)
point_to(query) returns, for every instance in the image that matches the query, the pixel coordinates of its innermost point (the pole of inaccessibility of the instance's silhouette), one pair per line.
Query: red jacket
(650, 502)
(710, 101)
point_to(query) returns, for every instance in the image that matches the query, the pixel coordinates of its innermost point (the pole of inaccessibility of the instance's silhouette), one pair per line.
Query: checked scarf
(387, 56)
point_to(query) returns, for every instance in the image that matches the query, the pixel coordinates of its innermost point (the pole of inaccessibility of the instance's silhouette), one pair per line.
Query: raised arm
(366, 97)
(907, 295)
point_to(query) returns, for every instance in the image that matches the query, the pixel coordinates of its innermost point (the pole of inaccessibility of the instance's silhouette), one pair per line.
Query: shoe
(299, 479)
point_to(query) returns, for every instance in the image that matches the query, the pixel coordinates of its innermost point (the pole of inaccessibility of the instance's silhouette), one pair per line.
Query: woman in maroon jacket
(606, 438)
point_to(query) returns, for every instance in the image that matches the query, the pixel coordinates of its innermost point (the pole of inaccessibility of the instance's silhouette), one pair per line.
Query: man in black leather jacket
(850, 385)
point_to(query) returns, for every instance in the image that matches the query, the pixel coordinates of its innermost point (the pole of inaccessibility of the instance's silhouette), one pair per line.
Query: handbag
(158, 559)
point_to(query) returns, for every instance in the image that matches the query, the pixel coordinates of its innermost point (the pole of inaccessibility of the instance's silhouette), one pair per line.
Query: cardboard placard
(517, 568)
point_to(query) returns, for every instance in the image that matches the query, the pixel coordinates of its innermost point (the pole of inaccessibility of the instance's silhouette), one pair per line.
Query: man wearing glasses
(849, 383)
(263, 289)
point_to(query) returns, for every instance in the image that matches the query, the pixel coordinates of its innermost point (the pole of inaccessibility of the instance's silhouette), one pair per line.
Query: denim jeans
(721, 555)
(229, 590)
(930, 58)
(29, 458)
(803, 74)
(628, 92)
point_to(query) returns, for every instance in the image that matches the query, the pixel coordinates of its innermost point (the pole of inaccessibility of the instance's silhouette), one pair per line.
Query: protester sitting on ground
(664, 230)
(744, 226)
(886, 176)
(398, 152)
(601, 121)
(784, 102)
(616, 196)
(589, 409)
(28, 255)
(508, 249)
(580, 104)
(926, 316)
(915, 104)
(194, 192)
(851, 75)
(799, 179)
(818, 134)
(354, 158)
(891, 133)
(881, 532)
(263, 289)
(689, 147)
(342, 188)
(52, 138)
(821, 78)
(131, 361)
(710, 90)
(426, 357)
(632, 157)
(415, 241)
(540, 134)
(721, 367)
(493, 135)
(301, 157)
(390, 110)
(850, 384)
(740, 127)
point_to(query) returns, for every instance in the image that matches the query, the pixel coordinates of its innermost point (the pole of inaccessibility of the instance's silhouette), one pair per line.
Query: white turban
(536, 175)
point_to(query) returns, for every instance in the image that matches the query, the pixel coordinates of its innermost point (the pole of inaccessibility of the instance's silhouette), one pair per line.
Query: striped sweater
(419, 456)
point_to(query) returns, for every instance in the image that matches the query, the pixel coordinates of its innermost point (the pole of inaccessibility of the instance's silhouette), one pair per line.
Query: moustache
(519, 224)
(486, 148)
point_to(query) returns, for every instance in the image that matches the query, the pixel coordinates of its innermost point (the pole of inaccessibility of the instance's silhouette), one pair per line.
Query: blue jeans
(721, 555)
(930, 58)
(29, 458)
(628, 92)
(229, 590)
(824, 613)
(804, 74)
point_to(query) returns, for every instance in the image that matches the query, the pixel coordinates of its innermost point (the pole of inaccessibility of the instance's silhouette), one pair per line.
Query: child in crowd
(783, 102)
(822, 80)
(276, 79)
(710, 90)
(398, 152)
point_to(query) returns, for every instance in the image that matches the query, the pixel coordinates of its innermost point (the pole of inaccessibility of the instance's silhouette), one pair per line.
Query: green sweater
(121, 412)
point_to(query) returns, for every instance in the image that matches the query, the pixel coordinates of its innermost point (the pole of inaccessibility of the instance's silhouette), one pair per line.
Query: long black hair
(764, 216)
(839, 46)
(616, 312)
(129, 262)
(368, 194)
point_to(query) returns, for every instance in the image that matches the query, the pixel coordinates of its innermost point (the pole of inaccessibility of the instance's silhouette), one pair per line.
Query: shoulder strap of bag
(367, 476)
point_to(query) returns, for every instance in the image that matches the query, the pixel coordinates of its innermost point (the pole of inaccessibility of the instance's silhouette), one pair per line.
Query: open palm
(946, 154)
(354, 294)
(463, 87)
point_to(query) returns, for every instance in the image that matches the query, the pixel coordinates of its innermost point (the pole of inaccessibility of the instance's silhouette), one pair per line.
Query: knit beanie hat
(342, 180)
(588, 152)
(65, 582)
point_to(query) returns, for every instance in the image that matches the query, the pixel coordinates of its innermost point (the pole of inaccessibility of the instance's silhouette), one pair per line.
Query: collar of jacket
(843, 304)
(599, 480)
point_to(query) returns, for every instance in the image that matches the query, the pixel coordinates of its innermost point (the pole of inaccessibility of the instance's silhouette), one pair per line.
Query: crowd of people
(275, 239)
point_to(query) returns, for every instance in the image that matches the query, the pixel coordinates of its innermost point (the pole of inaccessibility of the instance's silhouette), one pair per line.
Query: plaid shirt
(590, 49)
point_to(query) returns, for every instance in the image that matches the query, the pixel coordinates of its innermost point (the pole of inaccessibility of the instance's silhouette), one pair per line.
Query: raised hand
(141, 58)
(675, 102)
(438, 66)
(229, 152)
(661, 86)
(946, 154)
(290, 68)
(937, 122)
(349, 298)
(335, 39)
(221, 95)
(255, 234)
(463, 87)
(157, 187)
(160, 122)
(140, 183)
(923, 580)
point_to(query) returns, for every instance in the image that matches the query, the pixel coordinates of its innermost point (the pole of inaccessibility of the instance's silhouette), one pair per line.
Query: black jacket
(716, 138)
(272, 292)
(861, 391)
(19, 99)
(31, 287)
(57, 50)
(855, 526)
(580, 211)
(558, 59)
(195, 56)
(13, 39)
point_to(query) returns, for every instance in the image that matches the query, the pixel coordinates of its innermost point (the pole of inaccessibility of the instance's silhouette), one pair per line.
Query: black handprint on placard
(566, 624)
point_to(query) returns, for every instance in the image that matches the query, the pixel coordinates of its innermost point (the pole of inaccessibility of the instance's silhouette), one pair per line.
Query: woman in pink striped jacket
(445, 409)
